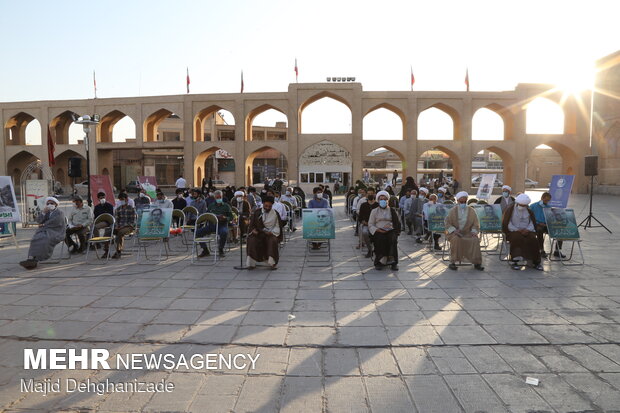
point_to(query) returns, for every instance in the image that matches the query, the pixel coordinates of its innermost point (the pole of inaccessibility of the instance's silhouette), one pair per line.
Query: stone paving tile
(450, 360)
(346, 394)
(302, 394)
(431, 394)
(515, 393)
(388, 394)
(474, 394)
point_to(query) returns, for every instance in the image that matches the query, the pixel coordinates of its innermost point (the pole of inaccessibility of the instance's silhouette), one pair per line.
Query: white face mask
(288, 193)
(319, 195)
(142, 195)
(421, 196)
(51, 207)
(102, 201)
(521, 207)
(239, 199)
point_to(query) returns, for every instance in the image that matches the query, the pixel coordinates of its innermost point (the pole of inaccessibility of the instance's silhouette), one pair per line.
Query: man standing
(181, 183)
(125, 216)
(462, 228)
(80, 220)
(394, 178)
(506, 199)
(51, 231)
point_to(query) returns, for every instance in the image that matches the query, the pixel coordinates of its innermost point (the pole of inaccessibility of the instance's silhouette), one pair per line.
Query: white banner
(36, 192)
(486, 186)
(9, 212)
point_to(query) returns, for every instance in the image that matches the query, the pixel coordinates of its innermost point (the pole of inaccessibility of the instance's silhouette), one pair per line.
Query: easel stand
(587, 222)
(241, 265)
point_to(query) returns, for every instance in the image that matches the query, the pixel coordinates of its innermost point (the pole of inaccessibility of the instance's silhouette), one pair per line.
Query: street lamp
(86, 121)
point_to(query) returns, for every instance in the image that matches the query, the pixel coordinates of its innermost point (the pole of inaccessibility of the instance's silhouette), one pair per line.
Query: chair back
(190, 210)
(287, 204)
(482, 202)
(235, 210)
(299, 201)
(448, 202)
(108, 219)
(204, 219)
(178, 216)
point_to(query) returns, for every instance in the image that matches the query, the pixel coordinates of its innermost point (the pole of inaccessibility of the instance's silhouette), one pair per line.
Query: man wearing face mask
(80, 220)
(407, 210)
(161, 201)
(264, 236)
(197, 202)
(506, 199)
(441, 195)
(541, 225)
(317, 201)
(102, 207)
(463, 229)
(277, 205)
(142, 200)
(363, 217)
(384, 226)
(240, 202)
(361, 194)
(51, 231)
(432, 200)
(519, 225)
(224, 216)
(417, 207)
(179, 202)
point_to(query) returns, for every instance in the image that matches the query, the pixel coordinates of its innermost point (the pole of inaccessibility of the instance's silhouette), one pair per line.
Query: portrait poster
(560, 188)
(8, 229)
(486, 186)
(36, 192)
(437, 214)
(149, 184)
(489, 216)
(155, 223)
(561, 223)
(318, 223)
(9, 211)
(101, 183)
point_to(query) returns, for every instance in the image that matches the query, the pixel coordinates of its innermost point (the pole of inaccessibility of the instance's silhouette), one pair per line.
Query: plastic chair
(95, 241)
(205, 219)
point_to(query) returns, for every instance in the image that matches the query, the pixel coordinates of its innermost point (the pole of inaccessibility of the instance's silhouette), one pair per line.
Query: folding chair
(318, 257)
(233, 226)
(205, 219)
(567, 260)
(99, 240)
(144, 242)
(178, 222)
(188, 212)
(10, 232)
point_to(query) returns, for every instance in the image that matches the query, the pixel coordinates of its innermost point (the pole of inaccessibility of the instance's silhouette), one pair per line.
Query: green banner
(489, 216)
(155, 223)
(437, 214)
(561, 223)
(318, 223)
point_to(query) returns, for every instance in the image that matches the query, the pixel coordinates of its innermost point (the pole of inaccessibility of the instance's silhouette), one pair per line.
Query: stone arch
(107, 124)
(60, 127)
(210, 113)
(275, 165)
(317, 97)
(224, 167)
(544, 117)
(500, 114)
(17, 163)
(448, 110)
(153, 121)
(392, 109)
(455, 162)
(15, 129)
(388, 168)
(508, 165)
(249, 120)
(570, 159)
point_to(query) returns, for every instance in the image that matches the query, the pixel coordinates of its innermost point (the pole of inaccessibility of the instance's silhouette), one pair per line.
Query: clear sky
(141, 47)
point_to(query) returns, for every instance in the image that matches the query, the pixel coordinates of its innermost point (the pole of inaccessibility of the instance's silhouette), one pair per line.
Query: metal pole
(90, 201)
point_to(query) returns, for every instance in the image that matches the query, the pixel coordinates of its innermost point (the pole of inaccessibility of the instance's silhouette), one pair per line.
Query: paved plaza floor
(342, 338)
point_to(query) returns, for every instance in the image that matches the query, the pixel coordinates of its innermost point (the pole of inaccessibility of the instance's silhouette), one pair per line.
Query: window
(304, 178)
(226, 135)
(319, 177)
(207, 136)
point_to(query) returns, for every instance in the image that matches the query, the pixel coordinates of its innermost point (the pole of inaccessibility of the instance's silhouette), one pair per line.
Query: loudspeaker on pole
(591, 165)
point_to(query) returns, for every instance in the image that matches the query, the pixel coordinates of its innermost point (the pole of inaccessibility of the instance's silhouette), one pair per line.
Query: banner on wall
(149, 184)
(486, 186)
(101, 183)
(560, 189)
(36, 192)
(9, 211)
(318, 223)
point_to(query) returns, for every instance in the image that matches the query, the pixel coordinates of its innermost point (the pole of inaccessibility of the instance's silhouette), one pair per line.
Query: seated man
(407, 210)
(288, 197)
(319, 202)
(462, 228)
(264, 236)
(80, 220)
(506, 199)
(361, 194)
(51, 231)
(519, 225)
(161, 201)
(103, 207)
(432, 200)
(224, 215)
(415, 214)
(364, 215)
(541, 225)
(240, 202)
(125, 216)
(384, 226)
(142, 200)
(195, 200)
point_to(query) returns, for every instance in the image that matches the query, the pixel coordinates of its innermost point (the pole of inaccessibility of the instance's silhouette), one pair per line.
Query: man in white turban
(384, 226)
(519, 225)
(52, 229)
(462, 229)
(506, 199)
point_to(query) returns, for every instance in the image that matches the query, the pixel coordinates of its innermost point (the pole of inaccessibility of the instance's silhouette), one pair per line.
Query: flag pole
(296, 72)
(95, 83)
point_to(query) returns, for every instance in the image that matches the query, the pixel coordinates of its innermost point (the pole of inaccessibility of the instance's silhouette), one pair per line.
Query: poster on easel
(149, 184)
(36, 192)
(489, 217)
(486, 186)
(561, 223)
(9, 211)
(437, 214)
(155, 223)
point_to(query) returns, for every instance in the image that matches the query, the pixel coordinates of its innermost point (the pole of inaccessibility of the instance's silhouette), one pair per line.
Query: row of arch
(327, 114)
